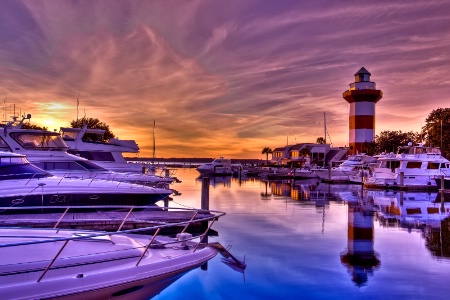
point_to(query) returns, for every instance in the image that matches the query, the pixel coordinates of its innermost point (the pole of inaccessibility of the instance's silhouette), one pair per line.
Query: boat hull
(109, 268)
(69, 199)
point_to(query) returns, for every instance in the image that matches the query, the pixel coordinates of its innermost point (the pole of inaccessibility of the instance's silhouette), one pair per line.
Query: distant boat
(349, 167)
(219, 166)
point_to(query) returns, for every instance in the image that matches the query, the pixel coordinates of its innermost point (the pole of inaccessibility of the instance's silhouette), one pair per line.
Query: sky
(222, 77)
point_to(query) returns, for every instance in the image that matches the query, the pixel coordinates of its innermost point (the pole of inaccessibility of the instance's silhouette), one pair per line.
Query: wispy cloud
(222, 77)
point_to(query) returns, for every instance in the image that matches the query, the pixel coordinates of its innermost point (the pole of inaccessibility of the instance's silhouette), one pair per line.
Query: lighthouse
(362, 97)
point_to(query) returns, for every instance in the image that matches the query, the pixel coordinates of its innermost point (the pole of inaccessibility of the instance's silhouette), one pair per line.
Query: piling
(205, 193)
(442, 194)
(205, 205)
(402, 179)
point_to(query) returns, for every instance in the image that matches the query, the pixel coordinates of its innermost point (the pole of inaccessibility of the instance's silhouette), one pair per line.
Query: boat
(349, 167)
(270, 173)
(24, 184)
(413, 167)
(48, 263)
(108, 155)
(303, 173)
(47, 150)
(219, 166)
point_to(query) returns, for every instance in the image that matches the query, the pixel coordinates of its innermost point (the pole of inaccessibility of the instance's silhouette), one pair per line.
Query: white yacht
(108, 155)
(219, 166)
(349, 167)
(23, 184)
(413, 166)
(48, 151)
(38, 263)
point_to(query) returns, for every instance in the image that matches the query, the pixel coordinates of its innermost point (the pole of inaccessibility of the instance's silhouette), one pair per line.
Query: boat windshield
(40, 141)
(19, 168)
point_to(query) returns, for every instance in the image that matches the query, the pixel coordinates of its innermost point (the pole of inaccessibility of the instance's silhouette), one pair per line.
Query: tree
(27, 125)
(93, 123)
(266, 151)
(370, 148)
(437, 130)
(320, 140)
(389, 141)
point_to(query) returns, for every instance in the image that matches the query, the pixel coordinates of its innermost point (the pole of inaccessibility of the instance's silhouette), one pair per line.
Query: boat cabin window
(93, 155)
(4, 146)
(433, 165)
(40, 141)
(390, 164)
(414, 165)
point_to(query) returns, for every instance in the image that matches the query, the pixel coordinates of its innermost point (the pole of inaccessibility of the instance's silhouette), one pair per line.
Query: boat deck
(105, 220)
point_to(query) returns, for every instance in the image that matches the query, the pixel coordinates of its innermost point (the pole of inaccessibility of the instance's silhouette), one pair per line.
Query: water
(295, 249)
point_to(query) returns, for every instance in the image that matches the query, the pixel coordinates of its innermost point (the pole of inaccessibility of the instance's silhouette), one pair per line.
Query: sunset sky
(222, 77)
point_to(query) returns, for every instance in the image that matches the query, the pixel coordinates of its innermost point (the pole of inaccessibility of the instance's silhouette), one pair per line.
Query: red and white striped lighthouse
(362, 97)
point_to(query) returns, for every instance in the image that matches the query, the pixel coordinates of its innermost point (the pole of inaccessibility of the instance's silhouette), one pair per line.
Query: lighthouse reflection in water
(360, 257)
(311, 240)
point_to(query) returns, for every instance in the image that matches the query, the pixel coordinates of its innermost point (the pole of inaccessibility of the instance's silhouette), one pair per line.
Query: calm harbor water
(318, 243)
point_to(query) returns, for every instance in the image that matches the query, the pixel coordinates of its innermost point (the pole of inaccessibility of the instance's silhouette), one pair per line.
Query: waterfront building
(362, 97)
(307, 155)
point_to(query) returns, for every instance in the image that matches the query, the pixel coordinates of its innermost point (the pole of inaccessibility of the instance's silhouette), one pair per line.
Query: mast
(154, 146)
(325, 128)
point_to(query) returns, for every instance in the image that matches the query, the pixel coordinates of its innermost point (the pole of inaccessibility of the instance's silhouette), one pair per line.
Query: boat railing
(198, 216)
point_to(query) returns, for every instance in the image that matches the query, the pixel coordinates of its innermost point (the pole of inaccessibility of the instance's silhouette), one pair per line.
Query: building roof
(362, 71)
(298, 146)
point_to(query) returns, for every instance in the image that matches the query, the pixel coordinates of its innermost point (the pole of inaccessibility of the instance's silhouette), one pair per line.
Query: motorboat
(303, 173)
(413, 166)
(108, 155)
(48, 263)
(349, 167)
(47, 150)
(24, 184)
(219, 166)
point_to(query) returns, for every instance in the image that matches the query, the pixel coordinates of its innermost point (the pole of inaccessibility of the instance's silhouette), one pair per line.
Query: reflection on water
(310, 240)
(360, 257)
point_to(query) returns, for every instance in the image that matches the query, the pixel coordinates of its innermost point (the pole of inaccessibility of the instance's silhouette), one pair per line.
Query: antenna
(78, 103)
(154, 146)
